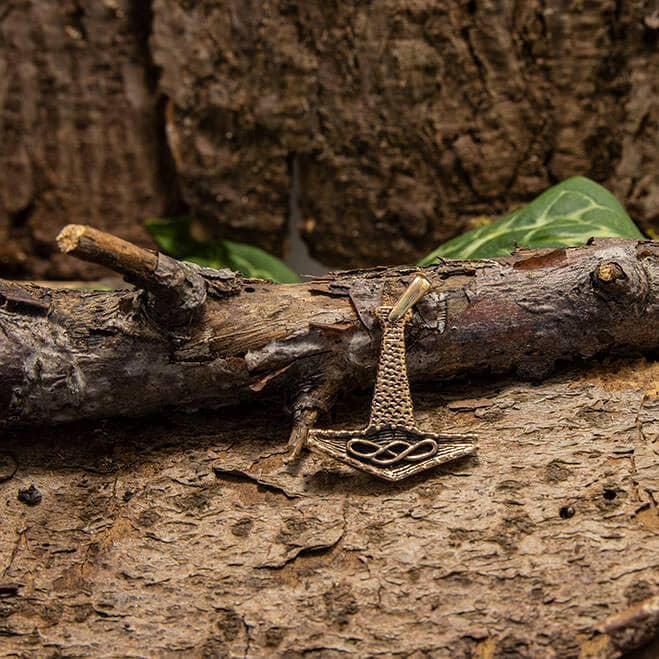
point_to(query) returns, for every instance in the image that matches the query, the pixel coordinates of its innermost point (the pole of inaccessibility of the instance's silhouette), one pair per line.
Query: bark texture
(197, 337)
(81, 133)
(187, 536)
(190, 535)
(407, 118)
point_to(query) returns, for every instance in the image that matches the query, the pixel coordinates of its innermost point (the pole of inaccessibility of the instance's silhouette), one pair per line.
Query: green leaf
(566, 215)
(259, 261)
(173, 237)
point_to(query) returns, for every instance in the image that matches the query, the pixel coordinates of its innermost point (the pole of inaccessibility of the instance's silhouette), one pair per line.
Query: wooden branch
(95, 246)
(202, 337)
(177, 289)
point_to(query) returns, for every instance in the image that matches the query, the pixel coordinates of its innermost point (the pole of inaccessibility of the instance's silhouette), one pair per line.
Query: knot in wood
(611, 282)
(607, 273)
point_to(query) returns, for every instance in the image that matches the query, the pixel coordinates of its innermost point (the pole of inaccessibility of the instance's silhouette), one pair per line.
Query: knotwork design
(391, 446)
(392, 453)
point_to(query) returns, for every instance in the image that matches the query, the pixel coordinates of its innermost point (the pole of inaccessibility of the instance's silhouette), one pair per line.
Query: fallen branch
(192, 337)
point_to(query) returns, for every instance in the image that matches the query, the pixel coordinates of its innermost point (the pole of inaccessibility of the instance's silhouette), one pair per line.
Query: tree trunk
(405, 119)
(81, 131)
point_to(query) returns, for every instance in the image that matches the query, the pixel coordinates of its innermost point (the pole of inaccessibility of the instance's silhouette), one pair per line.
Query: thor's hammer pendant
(391, 446)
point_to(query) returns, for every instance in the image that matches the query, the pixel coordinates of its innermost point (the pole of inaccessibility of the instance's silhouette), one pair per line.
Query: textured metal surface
(391, 446)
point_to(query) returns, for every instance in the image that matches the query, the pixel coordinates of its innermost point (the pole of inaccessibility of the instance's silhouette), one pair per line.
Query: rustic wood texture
(68, 355)
(192, 535)
(187, 535)
(81, 132)
(405, 118)
(177, 289)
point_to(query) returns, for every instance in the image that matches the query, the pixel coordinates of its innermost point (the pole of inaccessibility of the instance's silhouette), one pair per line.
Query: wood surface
(188, 535)
(191, 534)
(197, 337)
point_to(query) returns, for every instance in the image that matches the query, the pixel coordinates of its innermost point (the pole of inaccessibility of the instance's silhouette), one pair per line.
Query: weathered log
(72, 354)
(407, 117)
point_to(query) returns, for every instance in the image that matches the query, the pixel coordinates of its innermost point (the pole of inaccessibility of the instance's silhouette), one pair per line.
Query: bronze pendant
(391, 446)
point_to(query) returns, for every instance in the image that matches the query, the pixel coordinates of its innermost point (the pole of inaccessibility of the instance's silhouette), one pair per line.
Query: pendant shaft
(392, 401)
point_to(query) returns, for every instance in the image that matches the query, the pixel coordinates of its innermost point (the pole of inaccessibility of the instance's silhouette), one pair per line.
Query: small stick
(95, 246)
(178, 290)
(298, 438)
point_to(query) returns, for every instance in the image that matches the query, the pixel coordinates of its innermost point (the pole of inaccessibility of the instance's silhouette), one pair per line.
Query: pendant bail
(413, 293)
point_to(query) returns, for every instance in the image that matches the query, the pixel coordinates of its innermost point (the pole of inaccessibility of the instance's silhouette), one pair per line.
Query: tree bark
(187, 535)
(194, 337)
(405, 119)
(81, 129)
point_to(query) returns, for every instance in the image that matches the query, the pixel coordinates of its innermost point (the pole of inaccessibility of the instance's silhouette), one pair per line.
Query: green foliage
(173, 236)
(567, 214)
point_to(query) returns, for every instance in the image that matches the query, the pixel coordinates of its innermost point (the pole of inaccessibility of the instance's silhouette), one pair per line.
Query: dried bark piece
(473, 558)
